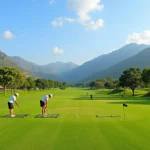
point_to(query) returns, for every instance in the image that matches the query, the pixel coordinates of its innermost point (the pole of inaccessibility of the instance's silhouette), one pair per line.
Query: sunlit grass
(77, 127)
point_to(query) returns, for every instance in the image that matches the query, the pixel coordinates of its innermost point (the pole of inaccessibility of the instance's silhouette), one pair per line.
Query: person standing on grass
(91, 96)
(11, 101)
(44, 104)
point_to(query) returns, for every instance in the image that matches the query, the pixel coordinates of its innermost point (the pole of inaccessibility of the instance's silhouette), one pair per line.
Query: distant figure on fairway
(11, 101)
(91, 96)
(44, 104)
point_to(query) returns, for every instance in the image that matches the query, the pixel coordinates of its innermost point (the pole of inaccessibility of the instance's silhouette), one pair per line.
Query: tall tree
(56, 84)
(110, 79)
(25, 85)
(64, 85)
(100, 83)
(18, 79)
(146, 77)
(131, 78)
(42, 83)
(92, 84)
(9, 77)
(108, 85)
(31, 83)
(51, 83)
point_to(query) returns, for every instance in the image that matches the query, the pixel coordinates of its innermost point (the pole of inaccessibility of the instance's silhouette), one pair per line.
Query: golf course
(83, 124)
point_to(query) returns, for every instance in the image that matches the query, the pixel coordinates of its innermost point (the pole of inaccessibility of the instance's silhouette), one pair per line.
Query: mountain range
(140, 60)
(111, 64)
(51, 70)
(101, 63)
(6, 61)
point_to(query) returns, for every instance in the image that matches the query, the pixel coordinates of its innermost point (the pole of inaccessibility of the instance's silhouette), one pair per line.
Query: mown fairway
(77, 127)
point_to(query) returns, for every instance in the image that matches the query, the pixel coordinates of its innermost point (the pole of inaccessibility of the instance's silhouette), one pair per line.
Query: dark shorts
(10, 106)
(42, 103)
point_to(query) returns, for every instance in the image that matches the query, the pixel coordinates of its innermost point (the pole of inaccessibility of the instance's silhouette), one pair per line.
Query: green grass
(77, 127)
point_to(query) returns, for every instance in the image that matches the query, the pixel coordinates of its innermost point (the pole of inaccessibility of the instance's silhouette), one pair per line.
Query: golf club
(20, 109)
(49, 111)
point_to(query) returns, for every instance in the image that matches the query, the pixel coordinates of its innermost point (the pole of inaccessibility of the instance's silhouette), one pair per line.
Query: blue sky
(46, 31)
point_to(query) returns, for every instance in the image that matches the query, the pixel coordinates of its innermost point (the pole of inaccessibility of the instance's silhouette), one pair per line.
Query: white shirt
(12, 99)
(45, 98)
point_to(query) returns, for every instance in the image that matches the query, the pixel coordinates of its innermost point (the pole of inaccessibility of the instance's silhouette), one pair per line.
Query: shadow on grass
(116, 91)
(146, 95)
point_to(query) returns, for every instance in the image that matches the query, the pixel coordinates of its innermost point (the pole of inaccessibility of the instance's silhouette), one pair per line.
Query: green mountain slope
(102, 62)
(6, 61)
(51, 70)
(141, 60)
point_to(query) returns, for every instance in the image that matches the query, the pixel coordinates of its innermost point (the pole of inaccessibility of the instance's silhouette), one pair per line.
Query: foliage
(108, 83)
(81, 84)
(42, 83)
(10, 77)
(64, 85)
(100, 83)
(31, 83)
(131, 78)
(18, 79)
(146, 77)
(92, 84)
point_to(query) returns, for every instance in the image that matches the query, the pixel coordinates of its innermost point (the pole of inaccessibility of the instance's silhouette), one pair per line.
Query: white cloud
(58, 22)
(94, 25)
(57, 50)
(51, 1)
(7, 35)
(139, 38)
(70, 20)
(84, 7)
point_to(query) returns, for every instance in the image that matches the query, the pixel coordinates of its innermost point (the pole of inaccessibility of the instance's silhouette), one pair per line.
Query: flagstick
(123, 112)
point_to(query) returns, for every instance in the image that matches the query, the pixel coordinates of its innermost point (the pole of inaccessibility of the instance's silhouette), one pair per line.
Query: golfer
(11, 101)
(91, 96)
(44, 103)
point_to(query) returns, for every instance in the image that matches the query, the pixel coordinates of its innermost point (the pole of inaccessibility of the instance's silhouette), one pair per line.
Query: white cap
(17, 94)
(51, 95)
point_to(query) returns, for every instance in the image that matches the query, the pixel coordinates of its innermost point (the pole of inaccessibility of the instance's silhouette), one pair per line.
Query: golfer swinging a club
(10, 104)
(44, 104)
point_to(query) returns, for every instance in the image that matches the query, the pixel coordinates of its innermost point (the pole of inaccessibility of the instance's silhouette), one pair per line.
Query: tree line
(130, 78)
(12, 78)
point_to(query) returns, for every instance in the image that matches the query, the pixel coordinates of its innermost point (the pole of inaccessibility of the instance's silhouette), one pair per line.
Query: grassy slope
(77, 128)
